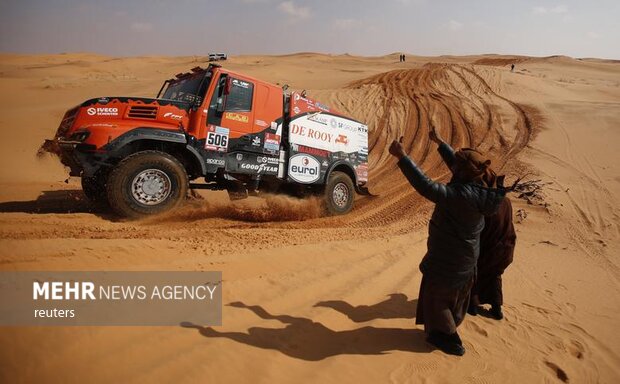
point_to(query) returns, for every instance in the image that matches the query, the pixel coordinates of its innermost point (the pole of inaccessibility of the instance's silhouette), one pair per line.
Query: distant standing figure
(404, 58)
(512, 67)
(497, 244)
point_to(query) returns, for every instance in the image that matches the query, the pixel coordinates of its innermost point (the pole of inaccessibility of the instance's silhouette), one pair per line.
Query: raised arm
(431, 190)
(447, 153)
(445, 150)
(426, 187)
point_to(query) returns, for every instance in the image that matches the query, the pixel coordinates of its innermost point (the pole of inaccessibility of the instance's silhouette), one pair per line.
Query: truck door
(231, 113)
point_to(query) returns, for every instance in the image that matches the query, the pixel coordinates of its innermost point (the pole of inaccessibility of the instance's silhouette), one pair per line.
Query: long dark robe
(441, 307)
(497, 243)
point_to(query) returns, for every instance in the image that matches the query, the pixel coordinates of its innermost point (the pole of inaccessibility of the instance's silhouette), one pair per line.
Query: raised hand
(433, 135)
(396, 149)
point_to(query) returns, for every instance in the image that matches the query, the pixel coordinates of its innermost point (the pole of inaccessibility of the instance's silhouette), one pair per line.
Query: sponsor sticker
(304, 168)
(102, 125)
(259, 168)
(312, 133)
(240, 83)
(272, 142)
(171, 115)
(362, 172)
(266, 160)
(342, 139)
(236, 117)
(322, 106)
(217, 138)
(328, 132)
(318, 118)
(102, 111)
(310, 150)
(219, 162)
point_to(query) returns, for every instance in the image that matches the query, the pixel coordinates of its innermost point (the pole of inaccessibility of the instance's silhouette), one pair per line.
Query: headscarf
(472, 166)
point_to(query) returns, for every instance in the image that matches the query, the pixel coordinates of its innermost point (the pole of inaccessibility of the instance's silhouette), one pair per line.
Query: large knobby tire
(94, 188)
(146, 183)
(339, 193)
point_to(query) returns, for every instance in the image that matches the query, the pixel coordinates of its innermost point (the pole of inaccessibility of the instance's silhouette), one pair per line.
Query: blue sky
(363, 27)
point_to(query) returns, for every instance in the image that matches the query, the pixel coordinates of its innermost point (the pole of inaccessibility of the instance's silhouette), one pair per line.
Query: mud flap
(364, 191)
(236, 191)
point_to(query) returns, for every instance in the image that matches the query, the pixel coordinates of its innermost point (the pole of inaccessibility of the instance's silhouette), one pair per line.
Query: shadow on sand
(305, 339)
(396, 307)
(65, 201)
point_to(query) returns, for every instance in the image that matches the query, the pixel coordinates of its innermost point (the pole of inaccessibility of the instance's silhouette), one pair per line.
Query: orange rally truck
(227, 130)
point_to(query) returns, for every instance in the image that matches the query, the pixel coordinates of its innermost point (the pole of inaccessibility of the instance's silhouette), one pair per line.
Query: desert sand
(332, 299)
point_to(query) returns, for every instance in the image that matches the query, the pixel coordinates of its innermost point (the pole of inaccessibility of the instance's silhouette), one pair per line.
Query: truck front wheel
(339, 193)
(146, 183)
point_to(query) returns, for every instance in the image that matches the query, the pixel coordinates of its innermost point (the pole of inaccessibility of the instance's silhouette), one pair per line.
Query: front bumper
(81, 159)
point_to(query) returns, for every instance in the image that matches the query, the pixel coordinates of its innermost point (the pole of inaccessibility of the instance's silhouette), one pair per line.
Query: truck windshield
(188, 89)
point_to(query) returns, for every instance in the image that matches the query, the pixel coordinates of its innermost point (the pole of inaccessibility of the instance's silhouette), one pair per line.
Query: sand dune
(332, 299)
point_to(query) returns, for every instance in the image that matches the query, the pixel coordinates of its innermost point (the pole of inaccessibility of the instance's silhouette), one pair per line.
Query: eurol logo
(304, 168)
(92, 111)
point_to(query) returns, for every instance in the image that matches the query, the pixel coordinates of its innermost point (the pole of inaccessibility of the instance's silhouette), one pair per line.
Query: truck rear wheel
(339, 193)
(146, 183)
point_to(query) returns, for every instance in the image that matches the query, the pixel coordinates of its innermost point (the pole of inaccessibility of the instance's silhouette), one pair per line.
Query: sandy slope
(333, 299)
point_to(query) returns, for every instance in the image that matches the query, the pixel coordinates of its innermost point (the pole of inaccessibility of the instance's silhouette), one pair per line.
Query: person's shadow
(305, 339)
(397, 306)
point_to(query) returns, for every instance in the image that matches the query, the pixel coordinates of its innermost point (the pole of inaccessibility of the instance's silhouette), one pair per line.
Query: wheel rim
(340, 195)
(151, 187)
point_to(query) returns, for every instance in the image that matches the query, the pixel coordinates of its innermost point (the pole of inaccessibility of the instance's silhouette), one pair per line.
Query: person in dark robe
(449, 266)
(497, 244)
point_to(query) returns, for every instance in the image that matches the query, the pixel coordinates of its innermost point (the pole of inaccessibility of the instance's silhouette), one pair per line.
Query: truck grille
(67, 122)
(143, 112)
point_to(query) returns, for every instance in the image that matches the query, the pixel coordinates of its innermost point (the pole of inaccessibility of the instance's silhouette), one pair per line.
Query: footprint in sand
(478, 329)
(559, 372)
(576, 349)
(411, 372)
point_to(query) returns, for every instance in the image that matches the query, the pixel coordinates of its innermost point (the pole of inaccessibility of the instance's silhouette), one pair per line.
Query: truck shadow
(305, 339)
(65, 201)
(397, 306)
